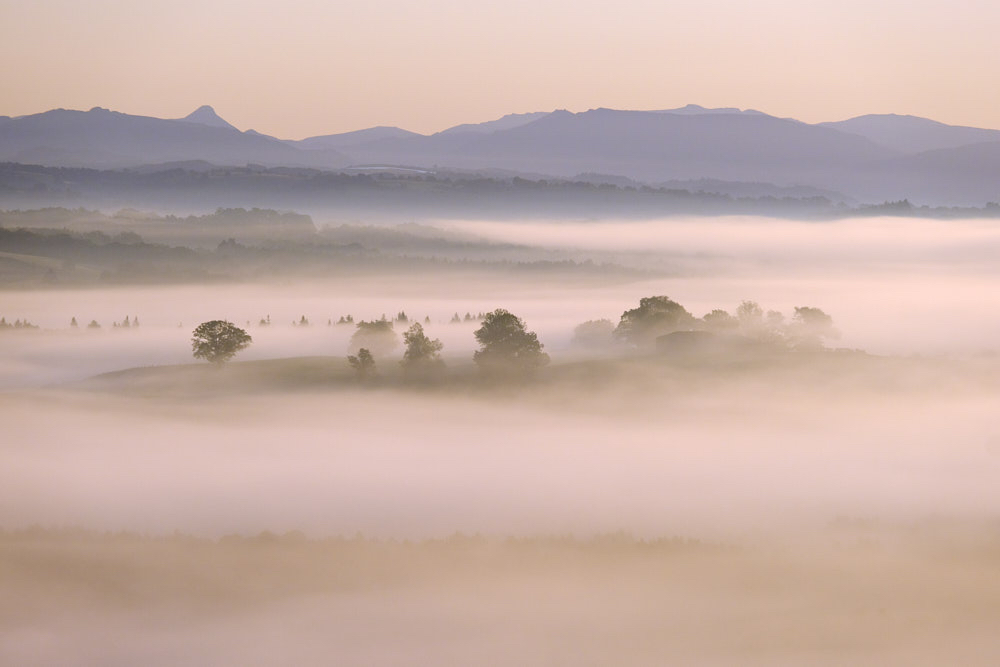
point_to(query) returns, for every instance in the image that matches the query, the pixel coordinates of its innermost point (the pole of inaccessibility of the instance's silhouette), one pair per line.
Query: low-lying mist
(759, 504)
(892, 285)
(651, 447)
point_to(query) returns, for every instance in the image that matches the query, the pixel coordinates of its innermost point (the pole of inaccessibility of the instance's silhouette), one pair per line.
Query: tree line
(507, 347)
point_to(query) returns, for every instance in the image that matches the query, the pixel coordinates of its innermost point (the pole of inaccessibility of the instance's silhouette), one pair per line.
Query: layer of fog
(895, 314)
(863, 597)
(652, 456)
(766, 245)
(655, 453)
(893, 286)
(88, 600)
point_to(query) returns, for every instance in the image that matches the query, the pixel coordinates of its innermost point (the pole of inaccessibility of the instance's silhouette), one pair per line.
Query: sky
(300, 68)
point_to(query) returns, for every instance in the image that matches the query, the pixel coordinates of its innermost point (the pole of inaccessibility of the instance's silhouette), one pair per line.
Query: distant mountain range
(870, 158)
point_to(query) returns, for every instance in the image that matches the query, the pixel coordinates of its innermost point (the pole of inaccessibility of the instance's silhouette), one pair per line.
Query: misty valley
(555, 442)
(533, 334)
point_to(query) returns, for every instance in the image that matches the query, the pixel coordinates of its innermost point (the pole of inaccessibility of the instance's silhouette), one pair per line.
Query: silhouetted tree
(754, 322)
(218, 341)
(363, 364)
(720, 320)
(377, 337)
(506, 345)
(655, 316)
(594, 334)
(810, 326)
(422, 357)
(73, 323)
(750, 316)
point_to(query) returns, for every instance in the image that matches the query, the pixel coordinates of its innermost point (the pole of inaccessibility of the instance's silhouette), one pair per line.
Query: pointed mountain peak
(205, 115)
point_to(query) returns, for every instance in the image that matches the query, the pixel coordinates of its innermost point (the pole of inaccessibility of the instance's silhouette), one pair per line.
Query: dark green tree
(506, 346)
(218, 341)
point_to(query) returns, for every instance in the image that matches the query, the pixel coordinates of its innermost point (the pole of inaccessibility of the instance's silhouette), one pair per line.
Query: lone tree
(218, 341)
(506, 346)
(655, 316)
(422, 357)
(363, 364)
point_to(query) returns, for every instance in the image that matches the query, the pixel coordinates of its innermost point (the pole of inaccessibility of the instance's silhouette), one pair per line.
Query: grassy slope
(815, 371)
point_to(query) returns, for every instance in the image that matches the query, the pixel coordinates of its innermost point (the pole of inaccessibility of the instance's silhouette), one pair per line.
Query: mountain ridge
(871, 158)
(913, 134)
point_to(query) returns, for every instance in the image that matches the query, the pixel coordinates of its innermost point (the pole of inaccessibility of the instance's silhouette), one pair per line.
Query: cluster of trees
(16, 324)
(126, 323)
(657, 316)
(507, 348)
(469, 317)
(400, 318)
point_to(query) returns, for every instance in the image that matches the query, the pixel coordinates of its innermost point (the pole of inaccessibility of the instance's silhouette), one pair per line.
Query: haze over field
(499, 333)
(895, 286)
(707, 480)
(858, 490)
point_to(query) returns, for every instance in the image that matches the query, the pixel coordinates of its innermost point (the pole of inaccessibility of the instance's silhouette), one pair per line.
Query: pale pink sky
(303, 67)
